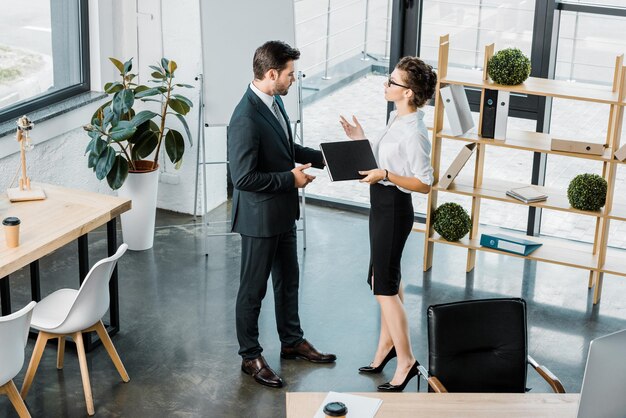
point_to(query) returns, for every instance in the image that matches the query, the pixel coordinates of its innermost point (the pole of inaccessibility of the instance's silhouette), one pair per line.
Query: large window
(345, 49)
(589, 39)
(566, 40)
(473, 24)
(43, 54)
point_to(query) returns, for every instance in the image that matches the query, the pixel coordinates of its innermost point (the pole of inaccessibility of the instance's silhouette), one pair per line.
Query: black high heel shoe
(381, 366)
(388, 387)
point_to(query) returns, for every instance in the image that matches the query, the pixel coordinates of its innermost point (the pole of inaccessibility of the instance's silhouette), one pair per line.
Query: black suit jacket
(261, 157)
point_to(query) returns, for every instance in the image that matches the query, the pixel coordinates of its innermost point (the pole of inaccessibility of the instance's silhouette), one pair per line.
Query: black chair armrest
(548, 376)
(433, 382)
(437, 386)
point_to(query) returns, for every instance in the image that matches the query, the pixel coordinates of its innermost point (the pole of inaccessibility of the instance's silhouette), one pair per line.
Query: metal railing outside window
(331, 31)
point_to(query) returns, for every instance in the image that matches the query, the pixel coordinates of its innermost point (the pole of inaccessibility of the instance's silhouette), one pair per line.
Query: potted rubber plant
(125, 143)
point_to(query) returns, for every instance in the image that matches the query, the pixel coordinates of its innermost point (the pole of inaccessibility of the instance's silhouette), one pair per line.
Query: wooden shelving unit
(596, 257)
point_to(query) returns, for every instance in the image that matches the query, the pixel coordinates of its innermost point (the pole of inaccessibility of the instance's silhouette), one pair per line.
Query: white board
(231, 32)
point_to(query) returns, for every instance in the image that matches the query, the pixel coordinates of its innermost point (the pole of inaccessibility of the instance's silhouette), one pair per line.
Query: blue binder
(508, 243)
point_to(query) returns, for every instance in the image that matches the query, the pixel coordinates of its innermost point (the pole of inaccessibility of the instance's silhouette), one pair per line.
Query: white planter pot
(138, 223)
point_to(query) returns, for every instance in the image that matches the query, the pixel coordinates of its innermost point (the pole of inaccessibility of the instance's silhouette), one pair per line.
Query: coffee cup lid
(11, 221)
(335, 409)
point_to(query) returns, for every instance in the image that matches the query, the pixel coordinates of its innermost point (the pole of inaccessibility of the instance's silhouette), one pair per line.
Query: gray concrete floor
(178, 340)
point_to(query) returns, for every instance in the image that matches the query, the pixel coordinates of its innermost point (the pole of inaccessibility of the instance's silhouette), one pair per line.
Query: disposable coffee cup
(12, 231)
(336, 410)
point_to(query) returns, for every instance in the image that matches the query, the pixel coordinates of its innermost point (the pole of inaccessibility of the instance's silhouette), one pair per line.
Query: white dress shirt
(270, 102)
(266, 98)
(404, 148)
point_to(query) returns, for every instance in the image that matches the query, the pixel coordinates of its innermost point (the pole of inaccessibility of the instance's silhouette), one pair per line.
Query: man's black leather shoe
(261, 372)
(306, 351)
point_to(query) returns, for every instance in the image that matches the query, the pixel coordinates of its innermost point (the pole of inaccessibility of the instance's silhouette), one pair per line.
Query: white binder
(457, 108)
(457, 165)
(502, 114)
(577, 147)
(620, 154)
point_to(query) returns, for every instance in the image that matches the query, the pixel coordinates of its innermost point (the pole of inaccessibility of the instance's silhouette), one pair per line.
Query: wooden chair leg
(60, 352)
(84, 372)
(16, 399)
(108, 345)
(40, 346)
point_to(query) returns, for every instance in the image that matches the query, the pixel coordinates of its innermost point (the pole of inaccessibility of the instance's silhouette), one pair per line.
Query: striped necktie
(280, 117)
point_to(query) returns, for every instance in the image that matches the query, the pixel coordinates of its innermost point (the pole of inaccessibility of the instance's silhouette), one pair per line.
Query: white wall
(145, 30)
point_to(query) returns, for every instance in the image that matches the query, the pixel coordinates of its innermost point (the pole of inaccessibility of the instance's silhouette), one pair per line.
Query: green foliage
(587, 192)
(451, 221)
(9, 74)
(120, 136)
(509, 67)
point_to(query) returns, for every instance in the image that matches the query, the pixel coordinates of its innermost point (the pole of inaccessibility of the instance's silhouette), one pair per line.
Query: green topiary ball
(451, 221)
(587, 192)
(509, 67)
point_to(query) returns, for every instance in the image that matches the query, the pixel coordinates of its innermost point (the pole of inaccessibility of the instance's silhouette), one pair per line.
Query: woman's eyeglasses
(390, 82)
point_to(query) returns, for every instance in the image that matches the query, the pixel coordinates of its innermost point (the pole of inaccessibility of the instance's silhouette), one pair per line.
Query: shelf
(496, 190)
(536, 86)
(618, 213)
(557, 199)
(526, 141)
(553, 250)
(615, 262)
(419, 227)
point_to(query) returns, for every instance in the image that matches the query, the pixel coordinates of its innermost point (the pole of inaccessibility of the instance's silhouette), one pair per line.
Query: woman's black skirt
(391, 220)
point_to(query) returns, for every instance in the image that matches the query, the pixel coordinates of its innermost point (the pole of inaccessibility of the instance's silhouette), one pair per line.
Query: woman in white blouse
(403, 155)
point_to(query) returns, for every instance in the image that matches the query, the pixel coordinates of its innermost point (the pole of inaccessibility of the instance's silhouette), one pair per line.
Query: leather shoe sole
(263, 382)
(297, 356)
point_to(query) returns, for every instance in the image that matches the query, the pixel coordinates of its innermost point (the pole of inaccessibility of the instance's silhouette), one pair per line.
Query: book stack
(527, 194)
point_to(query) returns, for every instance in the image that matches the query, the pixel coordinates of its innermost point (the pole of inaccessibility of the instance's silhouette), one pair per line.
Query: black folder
(344, 159)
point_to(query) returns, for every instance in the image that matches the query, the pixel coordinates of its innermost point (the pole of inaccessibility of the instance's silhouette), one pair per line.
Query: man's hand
(352, 131)
(301, 178)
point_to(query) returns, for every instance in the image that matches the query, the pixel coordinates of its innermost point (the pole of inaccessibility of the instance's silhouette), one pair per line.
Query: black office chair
(480, 346)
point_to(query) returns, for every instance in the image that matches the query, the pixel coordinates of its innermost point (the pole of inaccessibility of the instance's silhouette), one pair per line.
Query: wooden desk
(450, 405)
(48, 225)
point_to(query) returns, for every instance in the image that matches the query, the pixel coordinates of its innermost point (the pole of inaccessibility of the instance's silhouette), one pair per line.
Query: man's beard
(282, 90)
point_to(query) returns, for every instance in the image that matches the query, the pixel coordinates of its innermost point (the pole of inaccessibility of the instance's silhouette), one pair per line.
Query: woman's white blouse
(404, 148)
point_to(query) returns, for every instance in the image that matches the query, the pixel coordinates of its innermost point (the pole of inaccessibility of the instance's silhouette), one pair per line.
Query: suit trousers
(259, 257)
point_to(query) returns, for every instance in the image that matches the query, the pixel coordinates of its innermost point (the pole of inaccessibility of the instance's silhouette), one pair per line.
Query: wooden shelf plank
(618, 212)
(496, 190)
(419, 227)
(615, 262)
(537, 86)
(553, 250)
(526, 141)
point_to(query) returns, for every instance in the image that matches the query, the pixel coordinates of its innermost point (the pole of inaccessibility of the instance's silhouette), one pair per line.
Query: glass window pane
(472, 25)
(328, 33)
(363, 98)
(344, 47)
(587, 47)
(39, 49)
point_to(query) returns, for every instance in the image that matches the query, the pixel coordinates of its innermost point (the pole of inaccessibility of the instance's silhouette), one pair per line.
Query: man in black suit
(262, 156)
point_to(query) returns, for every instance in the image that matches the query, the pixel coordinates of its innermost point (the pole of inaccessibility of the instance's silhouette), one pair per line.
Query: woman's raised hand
(352, 131)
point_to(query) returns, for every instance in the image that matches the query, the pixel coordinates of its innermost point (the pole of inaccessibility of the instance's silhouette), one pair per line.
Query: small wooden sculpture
(24, 191)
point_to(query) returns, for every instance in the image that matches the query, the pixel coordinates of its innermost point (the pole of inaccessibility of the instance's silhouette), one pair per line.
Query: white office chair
(13, 337)
(69, 312)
